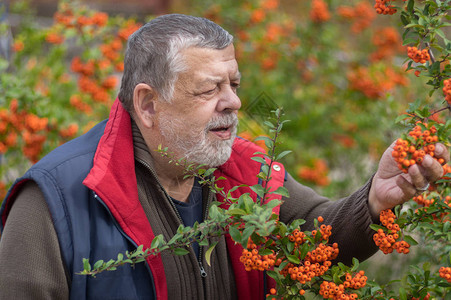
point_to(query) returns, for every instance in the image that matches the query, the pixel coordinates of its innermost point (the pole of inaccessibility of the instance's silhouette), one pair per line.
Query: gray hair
(153, 52)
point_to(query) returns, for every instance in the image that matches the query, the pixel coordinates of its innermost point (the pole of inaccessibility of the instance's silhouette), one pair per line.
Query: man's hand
(391, 186)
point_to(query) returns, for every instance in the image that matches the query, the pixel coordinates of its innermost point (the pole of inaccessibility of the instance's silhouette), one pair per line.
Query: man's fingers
(441, 151)
(406, 187)
(418, 176)
(429, 171)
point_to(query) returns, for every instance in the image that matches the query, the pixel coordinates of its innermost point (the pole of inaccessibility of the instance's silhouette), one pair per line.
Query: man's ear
(144, 101)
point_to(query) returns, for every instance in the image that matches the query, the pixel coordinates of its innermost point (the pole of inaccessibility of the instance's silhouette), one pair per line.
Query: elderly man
(107, 191)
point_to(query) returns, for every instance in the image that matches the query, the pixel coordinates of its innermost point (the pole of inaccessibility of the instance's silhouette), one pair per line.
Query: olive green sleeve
(31, 265)
(349, 217)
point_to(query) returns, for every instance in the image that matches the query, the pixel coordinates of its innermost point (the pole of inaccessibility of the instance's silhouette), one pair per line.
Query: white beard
(195, 146)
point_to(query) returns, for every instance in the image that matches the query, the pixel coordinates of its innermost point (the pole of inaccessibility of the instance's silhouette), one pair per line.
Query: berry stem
(428, 45)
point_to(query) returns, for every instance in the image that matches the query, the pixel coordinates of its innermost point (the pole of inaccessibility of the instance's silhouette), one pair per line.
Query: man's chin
(213, 159)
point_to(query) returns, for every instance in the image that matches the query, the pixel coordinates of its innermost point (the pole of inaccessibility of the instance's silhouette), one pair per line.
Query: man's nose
(229, 101)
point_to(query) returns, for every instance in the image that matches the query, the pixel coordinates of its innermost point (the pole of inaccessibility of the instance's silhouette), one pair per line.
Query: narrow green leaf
(180, 251)
(376, 227)
(208, 253)
(282, 154)
(355, 264)
(269, 124)
(236, 211)
(259, 159)
(402, 294)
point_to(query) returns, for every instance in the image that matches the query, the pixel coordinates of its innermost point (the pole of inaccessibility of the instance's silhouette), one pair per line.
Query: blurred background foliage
(337, 69)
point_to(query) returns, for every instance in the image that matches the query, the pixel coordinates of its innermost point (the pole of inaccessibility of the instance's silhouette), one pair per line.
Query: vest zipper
(201, 266)
(203, 273)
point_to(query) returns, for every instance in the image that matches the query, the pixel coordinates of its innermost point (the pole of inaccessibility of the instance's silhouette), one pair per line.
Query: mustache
(228, 120)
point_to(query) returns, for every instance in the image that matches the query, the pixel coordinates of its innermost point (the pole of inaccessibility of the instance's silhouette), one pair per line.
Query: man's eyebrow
(237, 76)
(215, 80)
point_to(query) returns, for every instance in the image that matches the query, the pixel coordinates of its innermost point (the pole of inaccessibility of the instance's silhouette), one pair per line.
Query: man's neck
(170, 174)
(171, 177)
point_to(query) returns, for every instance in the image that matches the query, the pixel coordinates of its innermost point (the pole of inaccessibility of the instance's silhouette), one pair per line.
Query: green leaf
(281, 191)
(410, 240)
(258, 159)
(355, 264)
(236, 211)
(235, 234)
(180, 251)
(410, 5)
(410, 40)
(156, 242)
(273, 203)
(440, 33)
(304, 250)
(86, 265)
(290, 247)
(247, 232)
(258, 189)
(404, 19)
(264, 251)
(376, 227)
(203, 242)
(269, 124)
(282, 154)
(293, 259)
(98, 264)
(208, 253)
(402, 294)
(272, 274)
(209, 172)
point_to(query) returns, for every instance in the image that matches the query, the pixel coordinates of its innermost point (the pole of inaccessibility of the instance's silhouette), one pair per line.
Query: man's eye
(209, 92)
(235, 86)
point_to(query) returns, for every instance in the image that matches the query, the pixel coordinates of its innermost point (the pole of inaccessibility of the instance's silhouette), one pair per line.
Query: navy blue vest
(84, 225)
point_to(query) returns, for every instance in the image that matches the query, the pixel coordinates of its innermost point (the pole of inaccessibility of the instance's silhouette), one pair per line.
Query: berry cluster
(445, 273)
(411, 150)
(317, 174)
(447, 90)
(317, 261)
(426, 200)
(423, 200)
(252, 260)
(384, 7)
(427, 297)
(331, 290)
(320, 12)
(417, 55)
(387, 240)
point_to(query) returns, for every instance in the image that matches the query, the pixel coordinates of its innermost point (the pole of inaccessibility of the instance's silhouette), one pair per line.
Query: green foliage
(340, 76)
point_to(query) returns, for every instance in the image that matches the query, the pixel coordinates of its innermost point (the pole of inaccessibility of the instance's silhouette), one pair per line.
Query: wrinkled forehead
(211, 63)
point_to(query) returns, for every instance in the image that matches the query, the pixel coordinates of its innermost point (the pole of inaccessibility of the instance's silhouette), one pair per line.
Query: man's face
(200, 123)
